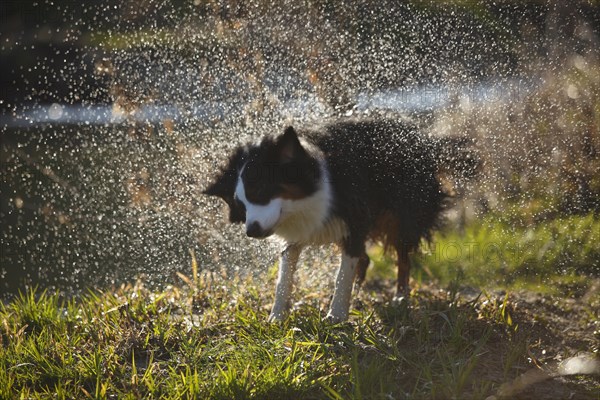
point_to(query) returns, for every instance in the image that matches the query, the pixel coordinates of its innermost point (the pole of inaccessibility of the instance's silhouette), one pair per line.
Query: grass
(216, 344)
(209, 338)
(555, 257)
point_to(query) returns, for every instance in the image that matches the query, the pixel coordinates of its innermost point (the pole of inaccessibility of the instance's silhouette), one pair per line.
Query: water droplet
(55, 111)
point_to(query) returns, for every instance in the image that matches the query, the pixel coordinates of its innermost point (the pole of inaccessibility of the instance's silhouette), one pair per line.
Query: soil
(557, 332)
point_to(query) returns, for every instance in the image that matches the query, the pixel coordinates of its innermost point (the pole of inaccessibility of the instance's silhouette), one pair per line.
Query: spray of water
(119, 113)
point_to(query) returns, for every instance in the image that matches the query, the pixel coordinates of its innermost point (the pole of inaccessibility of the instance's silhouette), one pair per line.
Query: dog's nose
(254, 230)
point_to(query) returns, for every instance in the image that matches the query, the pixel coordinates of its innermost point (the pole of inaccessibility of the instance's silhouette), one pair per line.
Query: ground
(210, 340)
(516, 319)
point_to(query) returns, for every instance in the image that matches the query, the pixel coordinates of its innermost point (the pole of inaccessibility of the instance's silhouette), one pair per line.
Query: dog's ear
(288, 145)
(224, 188)
(224, 184)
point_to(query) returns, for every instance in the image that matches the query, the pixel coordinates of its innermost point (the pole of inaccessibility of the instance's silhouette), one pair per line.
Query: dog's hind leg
(285, 280)
(402, 288)
(361, 269)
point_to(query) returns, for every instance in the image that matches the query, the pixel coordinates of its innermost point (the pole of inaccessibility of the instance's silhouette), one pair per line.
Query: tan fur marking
(292, 192)
(386, 230)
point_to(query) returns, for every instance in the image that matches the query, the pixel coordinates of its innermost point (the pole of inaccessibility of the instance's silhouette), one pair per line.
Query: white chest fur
(333, 231)
(308, 220)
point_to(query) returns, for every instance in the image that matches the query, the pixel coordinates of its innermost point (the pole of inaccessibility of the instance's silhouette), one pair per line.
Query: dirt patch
(557, 334)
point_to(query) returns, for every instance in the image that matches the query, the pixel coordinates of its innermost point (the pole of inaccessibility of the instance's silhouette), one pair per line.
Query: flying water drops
(116, 115)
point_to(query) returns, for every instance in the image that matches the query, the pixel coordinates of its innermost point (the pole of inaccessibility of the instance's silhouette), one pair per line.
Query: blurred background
(114, 115)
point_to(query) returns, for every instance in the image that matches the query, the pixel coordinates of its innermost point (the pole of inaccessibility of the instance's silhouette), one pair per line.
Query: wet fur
(378, 177)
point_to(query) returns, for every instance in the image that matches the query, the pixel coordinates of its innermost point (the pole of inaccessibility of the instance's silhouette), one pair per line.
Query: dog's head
(260, 180)
(224, 186)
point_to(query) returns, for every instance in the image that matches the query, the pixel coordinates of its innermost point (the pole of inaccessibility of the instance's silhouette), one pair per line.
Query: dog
(347, 182)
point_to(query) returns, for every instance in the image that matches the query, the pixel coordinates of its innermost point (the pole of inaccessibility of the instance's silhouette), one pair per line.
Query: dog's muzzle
(256, 231)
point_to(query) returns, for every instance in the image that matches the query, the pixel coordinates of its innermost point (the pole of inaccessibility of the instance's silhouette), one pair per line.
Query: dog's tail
(457, 157)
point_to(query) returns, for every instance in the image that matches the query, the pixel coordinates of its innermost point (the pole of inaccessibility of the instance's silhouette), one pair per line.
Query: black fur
(224, 186)
(379, 168)
(279, 167)
(383, 173)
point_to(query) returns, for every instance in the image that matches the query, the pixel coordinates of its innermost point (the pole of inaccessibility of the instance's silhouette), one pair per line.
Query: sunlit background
(115, 114)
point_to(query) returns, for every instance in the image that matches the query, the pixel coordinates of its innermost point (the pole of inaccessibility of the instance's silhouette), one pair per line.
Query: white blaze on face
(266, 215)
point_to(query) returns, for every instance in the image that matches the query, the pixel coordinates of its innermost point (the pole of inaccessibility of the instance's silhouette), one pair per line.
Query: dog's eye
(261, 191)
(259, 194)
(239, 204)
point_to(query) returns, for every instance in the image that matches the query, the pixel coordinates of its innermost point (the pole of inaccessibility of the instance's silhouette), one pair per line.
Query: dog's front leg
(285, 280)
(340, 304)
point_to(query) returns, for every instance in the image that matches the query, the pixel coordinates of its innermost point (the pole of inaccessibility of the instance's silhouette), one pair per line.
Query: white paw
(399, 299)
(335, 319)
(276, 317)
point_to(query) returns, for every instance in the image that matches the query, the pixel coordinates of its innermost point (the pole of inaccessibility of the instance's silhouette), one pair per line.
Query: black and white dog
(347, 182)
